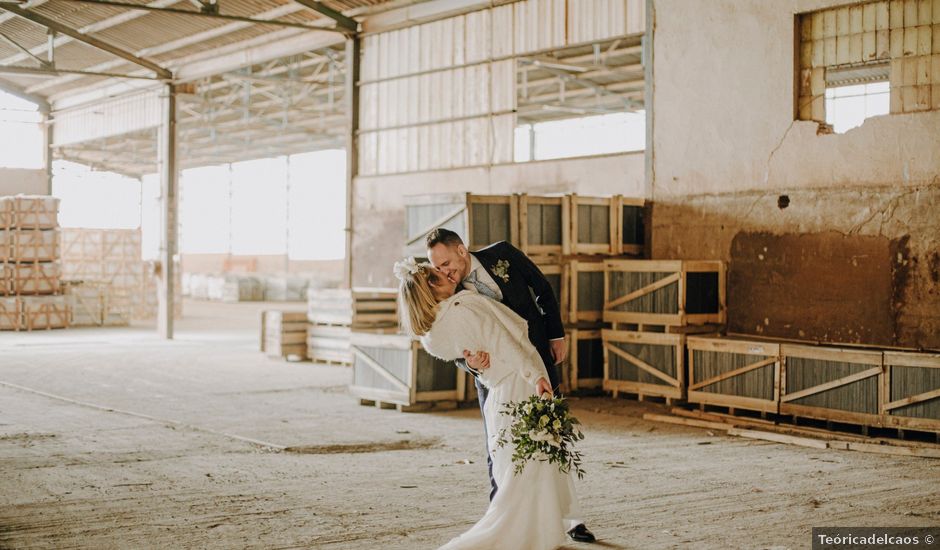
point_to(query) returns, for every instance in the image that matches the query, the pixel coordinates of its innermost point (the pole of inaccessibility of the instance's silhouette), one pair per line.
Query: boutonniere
(501, 270)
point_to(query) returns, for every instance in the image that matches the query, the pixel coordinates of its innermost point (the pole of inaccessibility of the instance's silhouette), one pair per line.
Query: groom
(504, 273)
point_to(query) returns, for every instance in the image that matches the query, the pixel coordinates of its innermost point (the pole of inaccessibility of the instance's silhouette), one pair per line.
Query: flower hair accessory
(405, 268)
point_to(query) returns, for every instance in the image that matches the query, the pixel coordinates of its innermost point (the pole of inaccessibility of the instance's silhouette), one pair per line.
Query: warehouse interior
(201, 201)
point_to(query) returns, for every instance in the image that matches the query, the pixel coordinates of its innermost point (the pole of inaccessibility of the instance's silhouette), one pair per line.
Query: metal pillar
(169, 182)
(648, 93)
(353, 50)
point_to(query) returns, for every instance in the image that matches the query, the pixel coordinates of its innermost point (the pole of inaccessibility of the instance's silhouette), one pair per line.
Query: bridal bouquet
(543, 430)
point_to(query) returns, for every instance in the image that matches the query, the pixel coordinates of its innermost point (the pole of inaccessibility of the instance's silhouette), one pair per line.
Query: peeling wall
(726, 148)
(14, 181)
(379, 214)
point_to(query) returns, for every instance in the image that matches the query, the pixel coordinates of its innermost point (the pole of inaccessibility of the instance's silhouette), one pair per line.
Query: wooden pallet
(734, 372)
(912, 390)
(35, 212)
(44, 312)
(357, 308)
(86, 302)
(480, 220)
(838, 384)
(557, 275)
(586, 293)
(420, 407)
(585, 360)
(644, 363)
(32, 245)
(544, 225)
(11, 314)
(34, 278)
(6, 212)
(395, 369)
(664, 292)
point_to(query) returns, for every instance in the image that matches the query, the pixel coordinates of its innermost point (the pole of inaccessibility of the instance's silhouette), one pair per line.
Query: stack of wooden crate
(111, 261)
(567, 236)
(30, 271)
(653, 305)
(335, 314)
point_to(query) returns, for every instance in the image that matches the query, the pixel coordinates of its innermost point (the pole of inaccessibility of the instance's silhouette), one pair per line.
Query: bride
(533, 509)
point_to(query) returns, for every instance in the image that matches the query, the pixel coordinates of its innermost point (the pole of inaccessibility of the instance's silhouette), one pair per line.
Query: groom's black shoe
(581, 534)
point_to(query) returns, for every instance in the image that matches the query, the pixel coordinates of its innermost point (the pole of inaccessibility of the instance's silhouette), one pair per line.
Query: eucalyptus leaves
(543, 430)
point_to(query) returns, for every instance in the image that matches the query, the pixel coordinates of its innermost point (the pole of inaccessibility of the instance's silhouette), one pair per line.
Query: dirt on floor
(112, 438)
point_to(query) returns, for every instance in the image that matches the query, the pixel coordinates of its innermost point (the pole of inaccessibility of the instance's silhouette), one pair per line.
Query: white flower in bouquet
(544, 430)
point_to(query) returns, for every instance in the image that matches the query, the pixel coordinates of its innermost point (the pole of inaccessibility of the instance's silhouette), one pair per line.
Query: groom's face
(452, 261)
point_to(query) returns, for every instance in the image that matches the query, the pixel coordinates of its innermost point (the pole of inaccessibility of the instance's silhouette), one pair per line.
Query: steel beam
(81, 37)
(211, 15)
(50, 71)
(169, 181)
(344, 24)
(353, 58)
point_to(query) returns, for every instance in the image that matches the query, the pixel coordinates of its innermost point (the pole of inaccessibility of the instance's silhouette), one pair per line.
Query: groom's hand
(559, 350)
(477, 361)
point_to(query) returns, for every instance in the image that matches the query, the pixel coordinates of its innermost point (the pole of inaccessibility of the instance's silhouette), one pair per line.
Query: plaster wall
(862, 205)
(14, 181)
(379, 212)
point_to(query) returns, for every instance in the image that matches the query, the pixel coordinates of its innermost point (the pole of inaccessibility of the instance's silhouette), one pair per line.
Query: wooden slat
(779, 438)
(437, 223)
(732, 373)
(867, 373)
(381, 370)
(639, 363)
(926, 396)
(643, 291)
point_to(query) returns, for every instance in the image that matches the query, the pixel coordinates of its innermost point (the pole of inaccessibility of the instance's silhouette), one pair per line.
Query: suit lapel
(488, 263)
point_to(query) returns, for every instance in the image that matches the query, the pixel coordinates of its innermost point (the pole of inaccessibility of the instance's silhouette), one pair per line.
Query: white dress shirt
(483, 276)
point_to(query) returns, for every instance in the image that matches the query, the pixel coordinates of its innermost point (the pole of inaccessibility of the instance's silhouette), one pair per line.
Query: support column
(169, 181)
(353, 51)
(648, 93)
(47, 154)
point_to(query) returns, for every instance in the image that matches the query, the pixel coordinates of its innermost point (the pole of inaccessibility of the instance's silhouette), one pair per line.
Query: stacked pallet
(111, 260)
(284, 334)
(335, 314)
(652, 306)
(30, 271)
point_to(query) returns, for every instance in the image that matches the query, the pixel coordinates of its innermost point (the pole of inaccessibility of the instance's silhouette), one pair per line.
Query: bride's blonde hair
(417, 304)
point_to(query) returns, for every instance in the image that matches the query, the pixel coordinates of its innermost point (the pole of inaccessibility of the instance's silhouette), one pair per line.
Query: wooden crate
(594, 226)
(480, 220)
(632, 218)
(357, 308)
(44, 312)
(544, 225)
(11, 314)
(284, 333)
(86, 303)
(585, 359)
(329, 344)
(912, 390)
(34, 278)
(664, 292)
(33, 245)
(645, 363)
(734, 372)
(35, 212)
(557, 276)
(839, 384)
(6, 212)
(396, 369)
(586, 292)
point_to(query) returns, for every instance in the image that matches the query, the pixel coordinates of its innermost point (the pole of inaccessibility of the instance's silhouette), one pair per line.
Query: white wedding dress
(532, 510)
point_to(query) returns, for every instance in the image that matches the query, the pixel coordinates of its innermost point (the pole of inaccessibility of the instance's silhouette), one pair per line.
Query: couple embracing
(495, 314)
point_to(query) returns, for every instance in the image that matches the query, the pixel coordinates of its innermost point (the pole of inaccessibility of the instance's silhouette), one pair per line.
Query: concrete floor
(111, 438)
